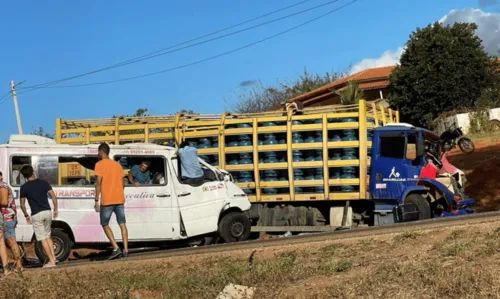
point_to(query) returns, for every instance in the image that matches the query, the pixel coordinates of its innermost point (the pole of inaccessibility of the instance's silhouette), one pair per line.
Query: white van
(166, 210)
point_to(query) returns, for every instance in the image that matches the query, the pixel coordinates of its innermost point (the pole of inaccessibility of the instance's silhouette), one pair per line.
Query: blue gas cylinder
(370, 120)
(215, 161)
(318, 174)
(336, 155)
(318, 121)
(244, 140)
(232, 142)
(215, 141)
(348, 120)
(349, 154)
(296, 122)
(245, 176)
(349, 135)
(298, 174)
(310, 139)
(297, 138)
(319, 189)
(235, 176)
(270, 157)
(309, 175)
(233, 160)
(248, 191)
(193, 143)
(335, 137)
(269, 176)
(335, 174)
(269, 124)
(270, 139)
(319, 155)
(282, 141)
(261, 142)
(297, 156)
(318, 137)
(242, 126)
(369, 135)
(310, 156)
(347, 188)
(205, 143)
(245, 158)
(348, 172)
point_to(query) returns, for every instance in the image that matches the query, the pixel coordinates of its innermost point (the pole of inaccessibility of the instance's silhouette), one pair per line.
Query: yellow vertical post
(382, 111)
(326, 175)
(117, 131)
(289, 153)
(255, 143)
(391, 119)
(222, 141)
(87, 135)
(363, 156)
(177, 132)
(375, 114)
(397, 116)
(146, 133)
(58, 131)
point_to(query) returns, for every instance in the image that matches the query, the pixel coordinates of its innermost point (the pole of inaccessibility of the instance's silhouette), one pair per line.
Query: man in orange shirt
(109, 189)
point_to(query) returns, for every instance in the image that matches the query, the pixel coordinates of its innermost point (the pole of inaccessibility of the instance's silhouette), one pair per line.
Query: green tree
(441, 69)
(40, 131)
(261, 98)
(351, 94)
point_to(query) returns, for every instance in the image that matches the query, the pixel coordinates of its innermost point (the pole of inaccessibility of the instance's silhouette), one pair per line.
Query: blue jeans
(107, 211)
(9, 228)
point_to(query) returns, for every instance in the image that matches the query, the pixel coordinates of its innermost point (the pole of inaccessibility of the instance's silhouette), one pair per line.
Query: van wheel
(62, 246)
(234, 227)
(422, 204)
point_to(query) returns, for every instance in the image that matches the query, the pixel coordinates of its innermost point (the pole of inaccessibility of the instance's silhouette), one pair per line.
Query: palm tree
(350, 94)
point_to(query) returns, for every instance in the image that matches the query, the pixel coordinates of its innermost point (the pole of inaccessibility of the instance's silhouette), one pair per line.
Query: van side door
(148, 206)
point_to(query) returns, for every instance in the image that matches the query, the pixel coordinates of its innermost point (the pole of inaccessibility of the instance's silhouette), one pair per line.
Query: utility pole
(16, 108)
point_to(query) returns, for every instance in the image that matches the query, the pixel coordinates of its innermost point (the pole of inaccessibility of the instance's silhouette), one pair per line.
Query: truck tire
(62, 246)
(422, 204)
(234, 227)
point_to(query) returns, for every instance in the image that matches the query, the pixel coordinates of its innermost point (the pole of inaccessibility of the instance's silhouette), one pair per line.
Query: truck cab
(399, 153)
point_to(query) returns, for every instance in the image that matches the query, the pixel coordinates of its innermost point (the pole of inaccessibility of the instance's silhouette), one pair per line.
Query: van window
(17, 162)
(157, 168)
(208, 174)
(392, 146)
(56, 170)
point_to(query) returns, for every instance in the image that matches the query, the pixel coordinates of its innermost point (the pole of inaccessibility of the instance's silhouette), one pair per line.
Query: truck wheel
(62, 246)
(422, 204)
(234, 227)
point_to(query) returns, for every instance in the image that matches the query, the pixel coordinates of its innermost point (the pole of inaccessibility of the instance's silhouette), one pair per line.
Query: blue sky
(49, 40)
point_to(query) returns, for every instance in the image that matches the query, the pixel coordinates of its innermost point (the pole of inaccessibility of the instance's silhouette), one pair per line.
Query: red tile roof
(368, 79)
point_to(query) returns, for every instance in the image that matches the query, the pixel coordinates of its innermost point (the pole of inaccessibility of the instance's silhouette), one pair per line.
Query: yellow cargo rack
(167, 129)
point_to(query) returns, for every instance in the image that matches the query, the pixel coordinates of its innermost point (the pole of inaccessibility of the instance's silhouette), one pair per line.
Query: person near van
(139, 174)
(9, 214)
(3, 248)
(109, 190)
(35, 191)
(191, 171)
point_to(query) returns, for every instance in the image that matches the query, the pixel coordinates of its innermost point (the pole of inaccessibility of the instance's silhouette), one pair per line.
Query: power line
(209, 58)
(144, 57)
(4, 97)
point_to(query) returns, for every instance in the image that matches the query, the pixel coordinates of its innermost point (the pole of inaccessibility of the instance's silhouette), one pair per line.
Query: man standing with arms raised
(109, 189)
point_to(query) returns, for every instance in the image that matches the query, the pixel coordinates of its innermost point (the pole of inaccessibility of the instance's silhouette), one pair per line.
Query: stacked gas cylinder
(280, 156)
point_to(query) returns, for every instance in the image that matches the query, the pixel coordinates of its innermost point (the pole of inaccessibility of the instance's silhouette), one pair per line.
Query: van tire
(234, 227)
(422, 204)
(62, 244)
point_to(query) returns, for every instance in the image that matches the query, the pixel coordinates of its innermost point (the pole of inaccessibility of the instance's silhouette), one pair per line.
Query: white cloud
(488, 26)
(387, 58)
(488, 31)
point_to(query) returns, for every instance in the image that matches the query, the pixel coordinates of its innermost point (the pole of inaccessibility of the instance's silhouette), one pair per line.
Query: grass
(458, 264)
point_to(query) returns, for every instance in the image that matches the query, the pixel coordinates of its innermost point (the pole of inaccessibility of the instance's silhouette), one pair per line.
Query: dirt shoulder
(448, 263)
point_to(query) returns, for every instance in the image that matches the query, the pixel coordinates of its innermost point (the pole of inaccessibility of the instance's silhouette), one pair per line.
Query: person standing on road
(9, 213)
(109, 190)
(3, 247)
(35, 191)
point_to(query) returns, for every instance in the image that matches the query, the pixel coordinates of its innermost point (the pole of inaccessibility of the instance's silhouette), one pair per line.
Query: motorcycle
(449, 140)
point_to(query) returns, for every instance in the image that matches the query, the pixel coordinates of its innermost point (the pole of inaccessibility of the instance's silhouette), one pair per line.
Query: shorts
(42, 222)
(9, 229)
(107, 211)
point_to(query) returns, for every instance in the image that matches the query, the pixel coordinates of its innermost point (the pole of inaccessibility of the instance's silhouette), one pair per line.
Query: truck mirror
(420, 147)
